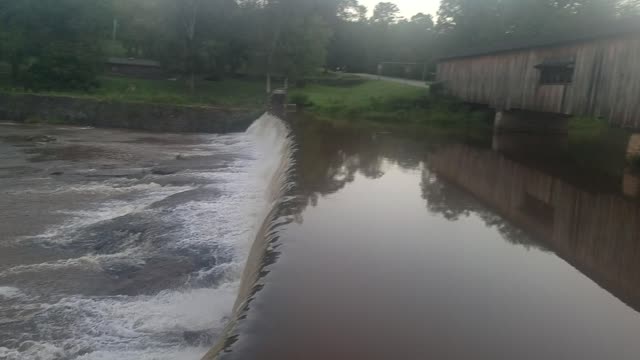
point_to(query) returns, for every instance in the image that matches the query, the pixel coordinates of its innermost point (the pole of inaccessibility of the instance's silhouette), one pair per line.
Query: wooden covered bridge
(591, 75)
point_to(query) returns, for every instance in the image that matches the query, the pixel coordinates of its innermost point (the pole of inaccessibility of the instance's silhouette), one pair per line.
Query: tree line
(62, 44)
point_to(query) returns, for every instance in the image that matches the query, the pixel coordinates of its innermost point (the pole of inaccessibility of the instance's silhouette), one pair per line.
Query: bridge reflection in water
(595, 230)
(393, 248)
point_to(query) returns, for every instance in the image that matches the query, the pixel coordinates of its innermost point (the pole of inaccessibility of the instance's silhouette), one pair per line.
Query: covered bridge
(592, 75)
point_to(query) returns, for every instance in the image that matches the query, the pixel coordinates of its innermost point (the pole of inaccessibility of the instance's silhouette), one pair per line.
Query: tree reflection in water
(531, 203)
(329, 157)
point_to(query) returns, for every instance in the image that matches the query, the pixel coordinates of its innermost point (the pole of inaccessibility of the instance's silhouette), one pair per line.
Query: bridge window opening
(556, 72)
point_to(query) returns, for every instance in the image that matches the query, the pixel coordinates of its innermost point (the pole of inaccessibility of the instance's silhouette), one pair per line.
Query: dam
(394, 248)
(308, 240)
(116, 244)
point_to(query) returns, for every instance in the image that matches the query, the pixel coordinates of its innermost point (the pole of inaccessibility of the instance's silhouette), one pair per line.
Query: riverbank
(228, 105)
(389, 105)
(244, 93)
(27, 108)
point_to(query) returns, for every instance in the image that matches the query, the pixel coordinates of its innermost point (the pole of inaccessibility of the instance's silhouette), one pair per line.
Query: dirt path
(415, 83)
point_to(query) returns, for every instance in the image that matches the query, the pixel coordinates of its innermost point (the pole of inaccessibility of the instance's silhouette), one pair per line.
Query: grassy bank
(224, 93)
(386, 104)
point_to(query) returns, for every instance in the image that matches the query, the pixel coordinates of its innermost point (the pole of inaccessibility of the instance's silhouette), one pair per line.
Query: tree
(423, 21)
(385, 13)
(352, 11)
(54, 44)
(293, 38)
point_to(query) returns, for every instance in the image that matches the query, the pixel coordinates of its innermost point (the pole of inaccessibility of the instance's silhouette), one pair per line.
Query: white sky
(408, 8)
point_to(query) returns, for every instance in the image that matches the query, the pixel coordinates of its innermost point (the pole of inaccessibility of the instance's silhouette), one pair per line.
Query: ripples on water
(387, 247)
(141, 245)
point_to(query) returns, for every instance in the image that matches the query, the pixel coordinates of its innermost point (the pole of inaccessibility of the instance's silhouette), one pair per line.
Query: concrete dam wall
(138, 116)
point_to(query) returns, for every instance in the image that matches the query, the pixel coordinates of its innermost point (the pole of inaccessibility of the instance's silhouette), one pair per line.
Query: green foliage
(385, 13)
(587, 127)
(390, 103)
(464, 24)
(301, 100)
(227, 93)
(63, 67)
(60, 44)
(53, 44)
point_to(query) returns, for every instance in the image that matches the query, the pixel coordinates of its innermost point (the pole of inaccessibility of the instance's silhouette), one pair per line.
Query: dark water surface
(524, 248)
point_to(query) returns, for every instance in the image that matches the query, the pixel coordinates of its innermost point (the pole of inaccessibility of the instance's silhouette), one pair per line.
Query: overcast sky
(408, 8)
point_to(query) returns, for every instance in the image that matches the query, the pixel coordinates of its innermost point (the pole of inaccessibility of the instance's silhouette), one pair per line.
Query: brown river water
(514, 247)
(125, 245)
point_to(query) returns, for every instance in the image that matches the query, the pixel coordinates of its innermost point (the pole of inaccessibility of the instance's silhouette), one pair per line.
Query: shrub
(301, 100)
(63, 67)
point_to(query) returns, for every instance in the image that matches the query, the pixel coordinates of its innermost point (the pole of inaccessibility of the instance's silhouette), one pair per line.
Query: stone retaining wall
(138, 116)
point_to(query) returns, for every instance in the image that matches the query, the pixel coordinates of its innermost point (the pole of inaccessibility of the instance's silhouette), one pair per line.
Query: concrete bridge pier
(530, 122)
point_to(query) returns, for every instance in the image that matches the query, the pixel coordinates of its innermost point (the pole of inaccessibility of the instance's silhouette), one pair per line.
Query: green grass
(355, 99)
(587, 127)
(387, 104)
(224, 93)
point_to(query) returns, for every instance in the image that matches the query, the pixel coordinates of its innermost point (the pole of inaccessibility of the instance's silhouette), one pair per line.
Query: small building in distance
(134, 67)
(591, 75)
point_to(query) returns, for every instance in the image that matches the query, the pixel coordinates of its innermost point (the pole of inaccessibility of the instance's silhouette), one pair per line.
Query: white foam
(8, 292)
(153, 327)
(87, 262)
(143, 327)
(112, 187)
(185, 353)
(109, 210)
(133, 318)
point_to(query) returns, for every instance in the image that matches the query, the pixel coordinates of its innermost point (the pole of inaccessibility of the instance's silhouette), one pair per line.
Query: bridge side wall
(606, 81)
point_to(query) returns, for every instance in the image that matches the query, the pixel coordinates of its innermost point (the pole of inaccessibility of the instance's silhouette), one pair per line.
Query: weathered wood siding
(598, 233)
(606, 81)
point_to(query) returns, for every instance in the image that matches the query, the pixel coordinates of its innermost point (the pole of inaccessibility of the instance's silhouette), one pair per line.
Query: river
(125, 245)
(414, 247)
(117, 244)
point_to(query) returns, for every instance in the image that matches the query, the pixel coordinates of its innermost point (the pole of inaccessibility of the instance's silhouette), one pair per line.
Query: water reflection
(329, 157)
(415, 249)
(597, 232)
(526, 187)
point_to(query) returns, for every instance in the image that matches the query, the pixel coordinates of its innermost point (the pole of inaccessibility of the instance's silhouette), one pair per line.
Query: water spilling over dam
(123, 245)
(416, 249)
(358, 244)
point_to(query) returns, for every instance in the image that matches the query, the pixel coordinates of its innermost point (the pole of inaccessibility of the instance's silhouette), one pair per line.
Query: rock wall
(138, 116)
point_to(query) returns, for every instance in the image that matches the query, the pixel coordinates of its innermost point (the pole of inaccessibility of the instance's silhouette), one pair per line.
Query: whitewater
(135, 248)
